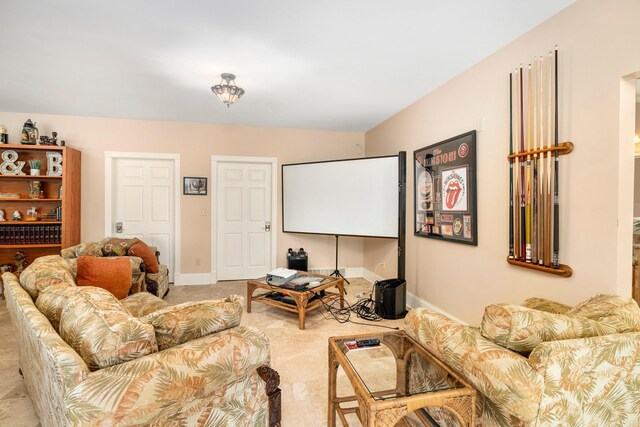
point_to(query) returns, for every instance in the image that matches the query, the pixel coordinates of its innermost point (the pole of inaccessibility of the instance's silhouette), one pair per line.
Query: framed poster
(445, 203)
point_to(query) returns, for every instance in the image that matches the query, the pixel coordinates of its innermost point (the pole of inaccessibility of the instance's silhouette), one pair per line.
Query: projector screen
(355, 197)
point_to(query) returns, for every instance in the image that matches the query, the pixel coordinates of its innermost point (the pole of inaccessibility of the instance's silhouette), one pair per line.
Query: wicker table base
(303, 299)
(386, 408)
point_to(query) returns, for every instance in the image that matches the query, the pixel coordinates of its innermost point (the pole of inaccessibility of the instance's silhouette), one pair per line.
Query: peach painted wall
(196, 143)
(598, 46)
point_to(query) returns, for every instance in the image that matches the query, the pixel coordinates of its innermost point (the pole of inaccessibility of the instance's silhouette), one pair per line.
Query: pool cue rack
(563, 270)
(534, 150)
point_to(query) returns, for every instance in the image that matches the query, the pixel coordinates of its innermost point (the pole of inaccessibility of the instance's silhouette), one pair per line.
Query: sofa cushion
(87, 249)
(51, 301)
(148, 255)
(113, 246)
(143, 303)
(44, 272)
(521, 329)
(546, 305)
(112, 274)
(184, 322)
(102, 331)
(601, 306)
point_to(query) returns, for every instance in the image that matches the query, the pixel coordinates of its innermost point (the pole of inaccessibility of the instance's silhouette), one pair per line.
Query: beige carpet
(300, 356)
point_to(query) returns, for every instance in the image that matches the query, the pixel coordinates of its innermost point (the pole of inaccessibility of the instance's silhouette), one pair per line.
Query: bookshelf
(45, 236)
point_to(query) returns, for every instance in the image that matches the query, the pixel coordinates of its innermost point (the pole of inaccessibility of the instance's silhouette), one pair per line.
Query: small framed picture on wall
(194, 186)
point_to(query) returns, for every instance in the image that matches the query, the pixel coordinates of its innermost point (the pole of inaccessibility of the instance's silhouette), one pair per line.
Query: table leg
(333, 376)
(301, 299)
(341, 290)
(250, 290)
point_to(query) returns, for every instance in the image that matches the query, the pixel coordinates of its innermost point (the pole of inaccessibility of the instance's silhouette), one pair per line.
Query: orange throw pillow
(112, 274)
(142, 250)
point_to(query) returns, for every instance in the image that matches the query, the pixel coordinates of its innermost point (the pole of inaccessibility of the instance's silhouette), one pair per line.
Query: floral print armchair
(573, 366)
(141, 280)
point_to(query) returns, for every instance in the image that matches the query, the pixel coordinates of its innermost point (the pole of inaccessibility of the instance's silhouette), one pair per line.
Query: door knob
(267, 226)
(119, 228)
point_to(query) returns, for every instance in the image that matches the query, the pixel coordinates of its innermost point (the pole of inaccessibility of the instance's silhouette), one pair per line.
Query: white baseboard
(369, 275)
(192, 279)
(349, 272)
(413, 301)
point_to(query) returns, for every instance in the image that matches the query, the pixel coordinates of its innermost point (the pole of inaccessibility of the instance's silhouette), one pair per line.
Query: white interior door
(143, 196)
(244, 232)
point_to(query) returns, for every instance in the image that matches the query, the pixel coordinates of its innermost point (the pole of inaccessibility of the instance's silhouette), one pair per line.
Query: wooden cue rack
(563, 270)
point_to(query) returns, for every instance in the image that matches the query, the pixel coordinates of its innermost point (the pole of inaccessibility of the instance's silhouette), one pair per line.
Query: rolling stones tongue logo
(453, 194)
(454, 189)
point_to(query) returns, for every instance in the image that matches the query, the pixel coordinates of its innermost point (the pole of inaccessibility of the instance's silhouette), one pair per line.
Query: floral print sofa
(141, 280)
(136, 361)
(540, 364)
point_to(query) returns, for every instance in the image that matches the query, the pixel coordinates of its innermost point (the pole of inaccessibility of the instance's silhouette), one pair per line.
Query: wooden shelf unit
(69, 182)
(33, 246)
(43, 222)
(30, 200)
(28, 177)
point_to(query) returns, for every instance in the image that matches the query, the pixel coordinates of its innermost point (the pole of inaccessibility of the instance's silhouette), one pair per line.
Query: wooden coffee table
(384, 390)
(301, 298)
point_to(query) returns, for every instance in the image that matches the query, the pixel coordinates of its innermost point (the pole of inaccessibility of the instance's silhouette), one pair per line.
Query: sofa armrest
(173, 382)
(49, 365)
(155, 250)
(590, 381)
(503, 376)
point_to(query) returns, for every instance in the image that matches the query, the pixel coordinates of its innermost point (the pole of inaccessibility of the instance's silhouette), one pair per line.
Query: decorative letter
(9, 166)
(54, 163)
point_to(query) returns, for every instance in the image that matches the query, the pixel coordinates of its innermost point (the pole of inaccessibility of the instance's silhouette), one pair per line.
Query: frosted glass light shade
(227, 90)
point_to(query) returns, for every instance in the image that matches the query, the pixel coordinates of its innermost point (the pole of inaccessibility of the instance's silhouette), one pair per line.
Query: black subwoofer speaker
(391, 298)
(297, 260)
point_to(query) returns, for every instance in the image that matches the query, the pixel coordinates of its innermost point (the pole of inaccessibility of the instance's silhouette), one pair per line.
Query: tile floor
(300, 356)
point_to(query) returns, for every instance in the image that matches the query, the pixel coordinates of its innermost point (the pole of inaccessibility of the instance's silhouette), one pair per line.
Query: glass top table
(395, 378)
(302, 301)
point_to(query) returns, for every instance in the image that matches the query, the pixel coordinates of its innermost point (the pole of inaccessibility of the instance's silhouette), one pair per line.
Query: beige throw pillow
(44, 272)
(102, 331)
(185, 322)
(51, 301)
(521, 329)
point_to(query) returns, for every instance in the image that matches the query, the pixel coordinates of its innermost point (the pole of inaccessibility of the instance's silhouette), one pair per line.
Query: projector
(280, 276)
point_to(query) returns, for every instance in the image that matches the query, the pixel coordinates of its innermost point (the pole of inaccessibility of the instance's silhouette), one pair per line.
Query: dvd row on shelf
(31, 234)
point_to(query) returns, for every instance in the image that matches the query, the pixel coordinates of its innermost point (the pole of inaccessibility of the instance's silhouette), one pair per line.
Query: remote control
(368, 343)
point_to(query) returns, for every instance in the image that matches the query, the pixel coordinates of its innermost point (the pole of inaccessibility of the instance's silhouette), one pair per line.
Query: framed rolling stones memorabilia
(445, 203)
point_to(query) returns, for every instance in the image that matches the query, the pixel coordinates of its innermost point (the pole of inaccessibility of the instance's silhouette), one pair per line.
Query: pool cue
(556, 202)
(516, 196)
(534, 164)
(523, 230)
(511, 254)
(547, 184)
(541, 174)
(540, 163)
(528, 171)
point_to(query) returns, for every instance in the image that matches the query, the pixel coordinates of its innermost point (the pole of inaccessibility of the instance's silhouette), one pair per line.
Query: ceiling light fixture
(228, 92)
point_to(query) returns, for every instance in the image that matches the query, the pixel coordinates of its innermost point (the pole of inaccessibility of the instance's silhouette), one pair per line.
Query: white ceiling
(332, 64)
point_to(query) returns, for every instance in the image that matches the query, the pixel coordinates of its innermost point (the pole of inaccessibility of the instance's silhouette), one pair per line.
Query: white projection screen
(355, 197)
